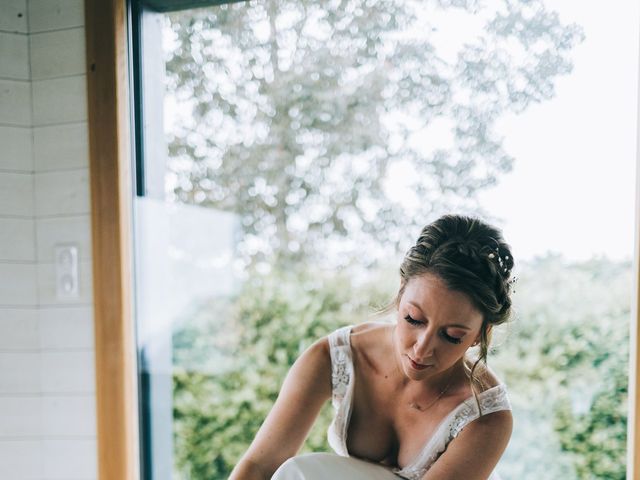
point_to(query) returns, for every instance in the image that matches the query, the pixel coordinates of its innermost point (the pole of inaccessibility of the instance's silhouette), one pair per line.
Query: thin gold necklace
(442, 392)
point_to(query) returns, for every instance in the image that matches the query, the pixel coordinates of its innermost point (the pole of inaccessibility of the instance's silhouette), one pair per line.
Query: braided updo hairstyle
(471, 257)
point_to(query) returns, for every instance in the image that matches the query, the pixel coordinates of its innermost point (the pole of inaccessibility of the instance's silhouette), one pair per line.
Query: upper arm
(305, 389)
(475, 452)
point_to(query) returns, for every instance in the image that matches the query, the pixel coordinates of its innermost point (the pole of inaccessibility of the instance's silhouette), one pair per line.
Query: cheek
(452, 350)
(403, 334)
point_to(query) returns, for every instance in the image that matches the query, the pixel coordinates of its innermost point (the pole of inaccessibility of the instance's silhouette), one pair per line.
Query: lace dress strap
(342, 388)
(491, 400)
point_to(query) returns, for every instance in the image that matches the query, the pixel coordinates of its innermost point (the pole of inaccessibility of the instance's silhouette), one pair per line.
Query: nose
(424, 345)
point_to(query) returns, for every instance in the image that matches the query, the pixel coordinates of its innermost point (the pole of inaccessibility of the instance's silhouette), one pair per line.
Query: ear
(476, 342)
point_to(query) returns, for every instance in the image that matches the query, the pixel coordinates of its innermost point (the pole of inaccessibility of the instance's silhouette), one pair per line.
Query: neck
(447, 379)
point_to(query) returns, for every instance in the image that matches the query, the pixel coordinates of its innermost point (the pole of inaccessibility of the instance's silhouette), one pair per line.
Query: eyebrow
(453, 325)
(456, 325)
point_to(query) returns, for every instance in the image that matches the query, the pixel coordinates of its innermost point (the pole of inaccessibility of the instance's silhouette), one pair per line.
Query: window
(289, 153)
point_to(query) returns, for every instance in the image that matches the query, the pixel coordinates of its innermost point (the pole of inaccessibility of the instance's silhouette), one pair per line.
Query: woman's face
(435, 327)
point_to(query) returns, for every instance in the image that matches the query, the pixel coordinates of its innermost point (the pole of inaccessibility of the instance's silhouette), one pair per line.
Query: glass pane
(294, 150)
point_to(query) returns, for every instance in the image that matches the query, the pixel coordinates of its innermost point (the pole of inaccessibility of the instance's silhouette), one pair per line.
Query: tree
(300, 111)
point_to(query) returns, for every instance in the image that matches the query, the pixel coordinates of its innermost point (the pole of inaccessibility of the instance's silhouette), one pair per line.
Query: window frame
(115, 141)
(106, 35)
(633, 419)
(163, 6)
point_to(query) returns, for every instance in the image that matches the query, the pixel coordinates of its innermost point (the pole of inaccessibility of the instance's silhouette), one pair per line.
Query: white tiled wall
(16, 240)
(16, 148)
(60, 146)
(47, 390)
(13, 50)
(16, 194)
(19, 329)
(59, 100)
(49, 15)
(15, 101)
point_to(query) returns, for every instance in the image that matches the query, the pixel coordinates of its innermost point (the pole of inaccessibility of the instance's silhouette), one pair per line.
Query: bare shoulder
(370, 344)
(496, 425)
(369, 333)
(314, 367)
(499, 422)
(319, 350)
(487, 377)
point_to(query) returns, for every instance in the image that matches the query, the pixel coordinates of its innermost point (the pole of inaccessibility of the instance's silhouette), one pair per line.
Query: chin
(411, 375)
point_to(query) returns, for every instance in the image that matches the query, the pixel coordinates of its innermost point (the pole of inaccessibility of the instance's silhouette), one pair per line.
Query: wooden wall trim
(633, 435)
(110, 183)
(633, 423)
(633, 430)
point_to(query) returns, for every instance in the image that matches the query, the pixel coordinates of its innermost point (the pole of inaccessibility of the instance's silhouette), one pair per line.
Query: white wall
(47, 399)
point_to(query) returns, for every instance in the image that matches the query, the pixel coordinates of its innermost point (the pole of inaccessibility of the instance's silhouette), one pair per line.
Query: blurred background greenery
(563, 358)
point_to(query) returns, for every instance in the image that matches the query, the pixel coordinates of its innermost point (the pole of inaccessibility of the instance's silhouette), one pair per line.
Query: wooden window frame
(110, 160)
(111, 180)
(633, 420)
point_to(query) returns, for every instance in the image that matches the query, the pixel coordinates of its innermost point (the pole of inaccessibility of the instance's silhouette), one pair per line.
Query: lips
(416, 365)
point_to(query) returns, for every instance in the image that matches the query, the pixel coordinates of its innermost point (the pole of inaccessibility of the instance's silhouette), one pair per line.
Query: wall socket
(66, 260)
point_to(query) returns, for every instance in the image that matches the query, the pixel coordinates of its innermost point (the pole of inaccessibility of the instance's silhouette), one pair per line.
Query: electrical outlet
(66, 271)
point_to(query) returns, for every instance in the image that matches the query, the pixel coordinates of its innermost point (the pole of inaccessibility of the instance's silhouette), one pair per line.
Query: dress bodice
(342, 380)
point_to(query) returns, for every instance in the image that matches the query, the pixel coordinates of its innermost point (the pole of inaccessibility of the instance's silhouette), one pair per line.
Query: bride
(410, 400)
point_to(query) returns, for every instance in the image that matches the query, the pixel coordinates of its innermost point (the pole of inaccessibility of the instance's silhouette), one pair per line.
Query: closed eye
(412, 321)
(443, 334)
(450, 339)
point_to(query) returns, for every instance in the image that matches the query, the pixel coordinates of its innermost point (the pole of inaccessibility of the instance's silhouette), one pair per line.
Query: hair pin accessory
(502, 262)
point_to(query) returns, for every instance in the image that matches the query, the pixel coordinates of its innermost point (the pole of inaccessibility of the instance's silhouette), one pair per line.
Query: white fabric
(342, 378)
(323, 466)
(342, 389)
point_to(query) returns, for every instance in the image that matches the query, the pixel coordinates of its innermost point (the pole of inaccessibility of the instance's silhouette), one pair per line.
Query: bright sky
(573, 186)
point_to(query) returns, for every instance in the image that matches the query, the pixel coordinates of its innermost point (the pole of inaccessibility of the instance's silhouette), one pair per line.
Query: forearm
(246, 469)
(306, 388)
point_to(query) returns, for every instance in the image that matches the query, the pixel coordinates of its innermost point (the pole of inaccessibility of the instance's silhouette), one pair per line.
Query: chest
(384, 427)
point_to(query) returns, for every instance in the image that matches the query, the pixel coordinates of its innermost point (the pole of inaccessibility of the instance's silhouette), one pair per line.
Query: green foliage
(565, 361)
(596, 438)
(219, 407)
(298, 111)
